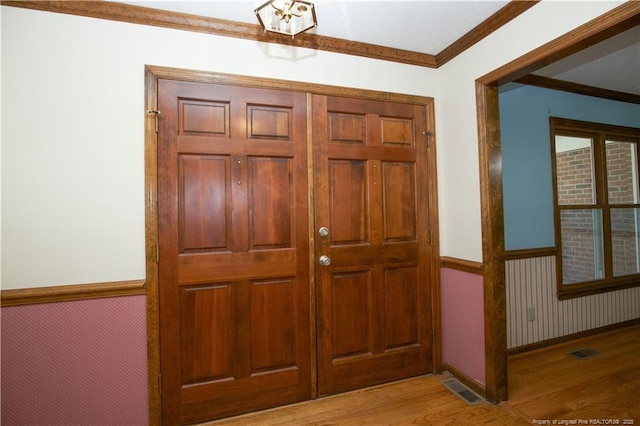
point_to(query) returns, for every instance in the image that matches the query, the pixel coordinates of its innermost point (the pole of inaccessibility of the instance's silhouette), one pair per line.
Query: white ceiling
(414, 25)
(429, 26)
(613, 64)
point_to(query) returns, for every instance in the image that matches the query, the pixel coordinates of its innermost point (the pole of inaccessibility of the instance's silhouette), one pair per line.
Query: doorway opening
(612, 23)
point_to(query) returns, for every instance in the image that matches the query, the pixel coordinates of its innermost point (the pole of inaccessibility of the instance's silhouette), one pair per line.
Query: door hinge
(157, 253)
(160, 384)
(156, 113)
(428, 134)
(430, 237)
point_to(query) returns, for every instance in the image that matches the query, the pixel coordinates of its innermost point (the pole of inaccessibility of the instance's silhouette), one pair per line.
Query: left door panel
(234, 250)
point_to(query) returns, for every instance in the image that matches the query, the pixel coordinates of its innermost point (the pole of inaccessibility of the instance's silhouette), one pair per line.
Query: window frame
(600, 134)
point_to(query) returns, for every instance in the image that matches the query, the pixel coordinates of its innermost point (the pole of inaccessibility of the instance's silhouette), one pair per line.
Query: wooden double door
(293, 247)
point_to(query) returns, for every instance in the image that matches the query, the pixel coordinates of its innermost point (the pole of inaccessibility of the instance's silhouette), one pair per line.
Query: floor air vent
(466, 394)
(584, 353)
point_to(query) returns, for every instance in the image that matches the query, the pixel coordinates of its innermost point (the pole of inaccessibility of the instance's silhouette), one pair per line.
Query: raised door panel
(351, 317)
(205, 205)
(269, 122)
(271, 203)
(397, 131)
(399, 210)
(401, 307)
(203, 117)
(273, 325)
(349, 220)
(207, 330)
(347, 128)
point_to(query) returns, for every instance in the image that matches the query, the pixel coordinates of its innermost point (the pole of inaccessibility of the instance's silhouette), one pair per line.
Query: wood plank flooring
(549, 384)
(545, 384)
(421, 400)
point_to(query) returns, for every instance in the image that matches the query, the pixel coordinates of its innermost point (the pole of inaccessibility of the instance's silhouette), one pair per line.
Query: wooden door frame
(152, 74)
(603, 27)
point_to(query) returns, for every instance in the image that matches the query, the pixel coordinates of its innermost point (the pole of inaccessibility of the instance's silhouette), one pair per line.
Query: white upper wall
(73, 118)
(456, 120)
(73, 128)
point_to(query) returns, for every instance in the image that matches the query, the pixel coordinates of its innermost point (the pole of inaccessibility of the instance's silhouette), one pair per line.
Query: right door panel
(370, 177)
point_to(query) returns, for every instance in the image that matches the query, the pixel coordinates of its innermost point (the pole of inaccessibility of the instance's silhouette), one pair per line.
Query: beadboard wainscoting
(534, 313)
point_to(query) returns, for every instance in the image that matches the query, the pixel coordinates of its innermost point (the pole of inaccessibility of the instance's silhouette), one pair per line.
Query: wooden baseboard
(570, 337)
(471, 383)
(31, 296)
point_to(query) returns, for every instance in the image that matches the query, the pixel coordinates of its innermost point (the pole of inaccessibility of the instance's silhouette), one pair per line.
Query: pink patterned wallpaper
(463, 323)
(75, 363)
(85, 362)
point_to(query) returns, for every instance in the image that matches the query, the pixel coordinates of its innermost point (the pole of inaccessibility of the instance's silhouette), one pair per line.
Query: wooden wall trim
(530, 253)
(491, 204)
(32, 296)
(182, 21)
(151, 244)
(494, 22)
(434, 220)
(461, 265)
(580, 89)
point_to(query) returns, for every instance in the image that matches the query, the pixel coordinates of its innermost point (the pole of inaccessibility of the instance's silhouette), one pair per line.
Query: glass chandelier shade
(287, 17)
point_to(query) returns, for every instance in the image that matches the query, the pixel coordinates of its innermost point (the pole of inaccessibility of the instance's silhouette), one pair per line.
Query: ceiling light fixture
(288, 17)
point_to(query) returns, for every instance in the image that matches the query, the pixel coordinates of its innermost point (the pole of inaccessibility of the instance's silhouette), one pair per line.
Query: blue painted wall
(526, 154)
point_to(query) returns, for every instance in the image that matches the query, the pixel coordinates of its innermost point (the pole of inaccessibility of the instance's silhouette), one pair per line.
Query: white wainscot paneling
(531, 283)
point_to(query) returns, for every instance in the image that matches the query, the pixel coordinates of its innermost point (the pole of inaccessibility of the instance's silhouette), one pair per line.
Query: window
(597, 206)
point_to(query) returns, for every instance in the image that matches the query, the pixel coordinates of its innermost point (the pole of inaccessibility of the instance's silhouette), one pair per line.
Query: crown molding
(491, 24)
(187, 22)
(581, 89)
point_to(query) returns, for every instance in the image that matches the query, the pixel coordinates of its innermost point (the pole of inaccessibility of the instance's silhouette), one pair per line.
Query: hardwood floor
(421, 400)
(545, 384)
(549, 384)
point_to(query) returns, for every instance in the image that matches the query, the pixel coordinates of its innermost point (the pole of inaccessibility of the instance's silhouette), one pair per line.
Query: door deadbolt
(324, 232)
